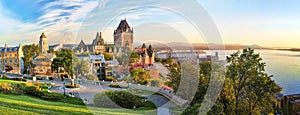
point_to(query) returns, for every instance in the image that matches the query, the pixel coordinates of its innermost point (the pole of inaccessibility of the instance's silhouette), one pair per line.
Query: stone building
(97, 46)
(11, 59)
(147, 55)
(43, 43)
(123, 42)
(123, 37)
(44, 60)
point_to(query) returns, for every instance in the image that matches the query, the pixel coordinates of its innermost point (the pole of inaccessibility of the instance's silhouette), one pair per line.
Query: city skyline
(267, 23)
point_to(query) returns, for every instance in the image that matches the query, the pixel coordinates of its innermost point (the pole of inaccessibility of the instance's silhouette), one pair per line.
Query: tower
(43, 43)
(98, 44)
(123, 36)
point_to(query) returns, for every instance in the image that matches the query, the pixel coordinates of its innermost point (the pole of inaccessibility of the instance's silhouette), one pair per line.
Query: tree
(101, 73)
(123, 59)
(29, 52)
(64, 58)
(81, 67)
(253, 88)
(134, 55)
(92, 76)
(174, 78)
(186, 76)
(107, 56)
(140, 76)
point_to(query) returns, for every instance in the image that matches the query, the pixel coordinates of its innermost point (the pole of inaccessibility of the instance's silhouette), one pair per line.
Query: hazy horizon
(265, 23)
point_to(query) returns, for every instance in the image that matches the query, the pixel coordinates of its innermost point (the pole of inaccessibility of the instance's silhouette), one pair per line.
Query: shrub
(72, 100)
(115, 86)
(5, 76)
(34, 91)
(156, 83)
(71, 86)
(18, 79)
(113, 99)
(148, 105)
(92, 77)
(51, 96)
(51, 78)
(110, 78)
(5, 87)
(28, 77)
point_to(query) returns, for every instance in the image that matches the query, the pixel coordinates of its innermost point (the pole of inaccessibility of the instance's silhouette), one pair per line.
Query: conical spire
(150, 47)
(97, 36)
(144, 45)
(43, 35)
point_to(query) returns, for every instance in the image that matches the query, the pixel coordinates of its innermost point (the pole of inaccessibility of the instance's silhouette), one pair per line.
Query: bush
(5, 76)
(34, 91)
(71, 86)
(92, 77)
(18, 79)
(156, 83)
(113, 99)
(51, 78)
(148, 105)
(110, 78)
(115, 86)
(5, 87)
(51, 96)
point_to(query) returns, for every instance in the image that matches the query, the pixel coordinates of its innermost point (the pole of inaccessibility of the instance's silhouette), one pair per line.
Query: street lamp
(64, 89)
(64, 85)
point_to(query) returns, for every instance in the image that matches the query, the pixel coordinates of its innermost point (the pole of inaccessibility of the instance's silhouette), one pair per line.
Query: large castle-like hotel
(123, 42)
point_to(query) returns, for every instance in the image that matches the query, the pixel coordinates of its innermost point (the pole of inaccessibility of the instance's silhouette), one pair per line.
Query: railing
(165, 93)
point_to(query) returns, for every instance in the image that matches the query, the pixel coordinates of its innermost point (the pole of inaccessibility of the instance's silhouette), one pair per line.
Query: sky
(263, 22)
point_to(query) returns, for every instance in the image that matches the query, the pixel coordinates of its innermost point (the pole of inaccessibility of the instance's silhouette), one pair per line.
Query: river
(284, 65)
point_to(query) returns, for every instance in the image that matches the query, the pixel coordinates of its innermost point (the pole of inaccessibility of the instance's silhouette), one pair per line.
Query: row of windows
(10, 55)
(10, 61)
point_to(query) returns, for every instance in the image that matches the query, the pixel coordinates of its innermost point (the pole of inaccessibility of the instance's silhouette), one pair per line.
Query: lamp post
(64, 89)
(64, 84)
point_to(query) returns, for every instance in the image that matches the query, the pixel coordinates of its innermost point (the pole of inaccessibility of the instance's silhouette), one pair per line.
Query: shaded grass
(12, 104)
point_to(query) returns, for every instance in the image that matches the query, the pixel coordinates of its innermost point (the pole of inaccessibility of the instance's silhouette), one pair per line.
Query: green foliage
(84, 54)
(64, 58)
(92, 77)
(114, 99)
(81, 67)
(12, 88)
(253, 89)
(29, 52)
(123, 59)
(20, 88)
(140, 76)
(34, 91)
(72, 86)
(107, 56)
(5, 76)
(156, 83)
(134, 55)
(115, 86)
(110, 78)
(174, 78)
(163, 61)
(148, 105)
(51, 96)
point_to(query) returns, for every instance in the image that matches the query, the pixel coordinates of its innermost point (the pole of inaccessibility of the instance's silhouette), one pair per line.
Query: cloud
(58, 19)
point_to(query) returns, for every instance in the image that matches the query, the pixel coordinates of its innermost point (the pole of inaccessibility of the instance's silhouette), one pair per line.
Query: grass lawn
(12, 104)
(10, 81)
